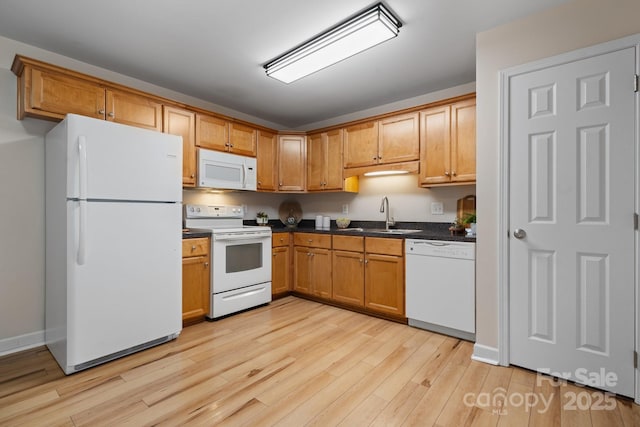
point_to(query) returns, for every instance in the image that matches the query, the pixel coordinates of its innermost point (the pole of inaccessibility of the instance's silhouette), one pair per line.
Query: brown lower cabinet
(366, 273)
(196, 293)
(280, 263)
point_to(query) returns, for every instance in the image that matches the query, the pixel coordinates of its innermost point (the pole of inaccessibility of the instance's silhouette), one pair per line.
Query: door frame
(503, 195)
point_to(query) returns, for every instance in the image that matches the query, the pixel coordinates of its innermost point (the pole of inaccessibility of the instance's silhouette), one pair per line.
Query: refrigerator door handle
(82, 166)
(82, 232)
(82, 195)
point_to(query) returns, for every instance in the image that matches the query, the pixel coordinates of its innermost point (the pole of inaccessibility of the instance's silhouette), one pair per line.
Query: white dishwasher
(440, 286)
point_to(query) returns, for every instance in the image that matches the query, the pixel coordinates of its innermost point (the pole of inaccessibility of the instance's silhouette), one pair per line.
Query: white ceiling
(215, 50)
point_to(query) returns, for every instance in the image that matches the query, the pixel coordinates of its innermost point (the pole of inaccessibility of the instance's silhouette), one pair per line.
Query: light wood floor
(297, 363)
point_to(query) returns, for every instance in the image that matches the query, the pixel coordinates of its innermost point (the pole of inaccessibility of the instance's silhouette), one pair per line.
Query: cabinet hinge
(635, 82)
(635, 221)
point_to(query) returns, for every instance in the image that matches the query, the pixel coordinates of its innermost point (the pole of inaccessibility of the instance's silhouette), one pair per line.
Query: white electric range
(240, 258)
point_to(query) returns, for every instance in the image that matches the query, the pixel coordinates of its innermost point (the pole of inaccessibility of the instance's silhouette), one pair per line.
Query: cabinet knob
(193, 175)
(375, 158)
(206, 264)
(101, 112)
(112, 114)
(453, 173)
(281, 240)
(446, 173)
(193, 248)
(361, 260)
(309, 240)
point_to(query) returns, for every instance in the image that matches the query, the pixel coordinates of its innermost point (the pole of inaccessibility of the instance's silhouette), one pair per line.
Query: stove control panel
(213, 211)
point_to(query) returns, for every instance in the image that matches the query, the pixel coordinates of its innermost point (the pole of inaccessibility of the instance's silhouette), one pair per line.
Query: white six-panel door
(571, 220)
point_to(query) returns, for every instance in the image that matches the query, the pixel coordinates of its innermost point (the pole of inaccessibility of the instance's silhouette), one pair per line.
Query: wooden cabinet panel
(53, 95)
(361, 144)
(267, 160)
(281, 270)
(312, 240)
(302, 270)
(242, 139)
(399, 139)
(463, 141)
(316, 162)
(133, 110)
(178, 121)
(384, 284)
(212, 132)
(448, 144)
(348, 243)
(195, 247)
(348, 277)
(333, 163)
(280, 239)
(321, 272)
(382, 245)
(196, 292)
(291, 162)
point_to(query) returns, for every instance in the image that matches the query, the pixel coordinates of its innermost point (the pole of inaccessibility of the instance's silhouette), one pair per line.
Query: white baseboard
(485, 354)
(21, 342)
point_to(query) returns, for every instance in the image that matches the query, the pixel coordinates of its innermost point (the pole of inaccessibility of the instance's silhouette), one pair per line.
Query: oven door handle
(241, 237)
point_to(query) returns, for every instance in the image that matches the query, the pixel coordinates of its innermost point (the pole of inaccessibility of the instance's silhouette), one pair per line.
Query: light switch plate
(437, 208)
(345, 209)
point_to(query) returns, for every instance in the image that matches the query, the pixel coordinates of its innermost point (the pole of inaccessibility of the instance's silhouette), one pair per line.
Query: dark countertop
(431, 230)
(192, 233)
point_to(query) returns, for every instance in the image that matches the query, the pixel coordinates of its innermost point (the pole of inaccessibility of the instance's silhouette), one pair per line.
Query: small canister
(318, 222)
(326, 223)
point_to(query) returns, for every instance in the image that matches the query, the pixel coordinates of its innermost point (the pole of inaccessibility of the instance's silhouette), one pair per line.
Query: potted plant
(262, 218)
(469, 222)
(456, 227)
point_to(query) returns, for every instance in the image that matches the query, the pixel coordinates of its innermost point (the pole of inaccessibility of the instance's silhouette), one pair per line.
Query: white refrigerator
(113, 240)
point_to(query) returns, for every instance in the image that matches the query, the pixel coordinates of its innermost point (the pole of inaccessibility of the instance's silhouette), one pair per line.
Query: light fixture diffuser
(367, 29)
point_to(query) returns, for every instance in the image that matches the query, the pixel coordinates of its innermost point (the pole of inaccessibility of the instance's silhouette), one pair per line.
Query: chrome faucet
(388, 222)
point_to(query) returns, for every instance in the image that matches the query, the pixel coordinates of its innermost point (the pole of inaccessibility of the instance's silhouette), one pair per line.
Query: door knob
(519, 233)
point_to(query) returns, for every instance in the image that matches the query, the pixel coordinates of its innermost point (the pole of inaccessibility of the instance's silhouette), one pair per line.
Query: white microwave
(226, 171)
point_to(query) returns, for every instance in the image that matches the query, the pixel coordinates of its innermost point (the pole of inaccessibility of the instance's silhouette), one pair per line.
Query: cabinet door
(55, 95)
(333, 164)
(212, 132)
(177, 121)
(348, 277)
(399, 139)
(302, 269)
(361, 145)
(435, 145)
(196, 296)
(291, 162)
(267, 159)
(134, 110)
(242, 139)
(316, 161)
(384, 284)
(321, 272)
(280, 270)
(463, 141)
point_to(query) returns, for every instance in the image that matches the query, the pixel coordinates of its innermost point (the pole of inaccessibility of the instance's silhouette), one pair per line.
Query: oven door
(239, 260)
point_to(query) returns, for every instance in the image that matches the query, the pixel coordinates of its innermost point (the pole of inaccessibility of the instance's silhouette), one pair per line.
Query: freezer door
(124, 276)
(111, 161)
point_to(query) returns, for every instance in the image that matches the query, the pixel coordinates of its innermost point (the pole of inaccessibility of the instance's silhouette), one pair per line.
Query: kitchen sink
(395, 230)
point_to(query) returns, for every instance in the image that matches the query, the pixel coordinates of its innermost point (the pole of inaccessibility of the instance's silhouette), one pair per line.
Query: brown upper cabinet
(324, 161)
(181, 122)
(50, 92)
(291, 162)
(215, 133)
(448, 144)
(392, 139)
(267, 160)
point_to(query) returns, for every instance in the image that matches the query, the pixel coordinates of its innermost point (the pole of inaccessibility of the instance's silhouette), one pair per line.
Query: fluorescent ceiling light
(382, 173)
(367, 29)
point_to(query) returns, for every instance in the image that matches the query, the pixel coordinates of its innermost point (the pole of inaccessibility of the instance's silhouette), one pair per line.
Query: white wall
(574, 25)
(407, 201)
(22, 192)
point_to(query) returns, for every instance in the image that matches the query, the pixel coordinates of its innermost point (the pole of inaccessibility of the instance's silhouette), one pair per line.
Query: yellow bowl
(343, 222)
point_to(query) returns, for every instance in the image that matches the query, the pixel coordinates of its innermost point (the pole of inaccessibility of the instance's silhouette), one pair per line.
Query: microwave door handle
(244, 175)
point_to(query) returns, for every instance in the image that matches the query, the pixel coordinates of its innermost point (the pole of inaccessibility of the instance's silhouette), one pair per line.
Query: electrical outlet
(437, 208)
(345, 208)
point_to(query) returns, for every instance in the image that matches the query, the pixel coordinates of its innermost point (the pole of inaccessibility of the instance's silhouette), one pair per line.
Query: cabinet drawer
(382, 245)
(348, 243)
(195, 247)
(280, 239)
(312, 240)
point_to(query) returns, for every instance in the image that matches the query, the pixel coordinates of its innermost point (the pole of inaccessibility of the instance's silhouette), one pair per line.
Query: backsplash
(407, 201)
